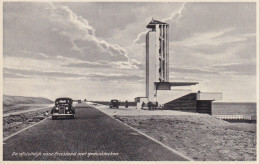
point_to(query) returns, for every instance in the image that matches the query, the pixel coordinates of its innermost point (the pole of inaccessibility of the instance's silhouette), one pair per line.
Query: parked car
(63, 108)
(114, 104)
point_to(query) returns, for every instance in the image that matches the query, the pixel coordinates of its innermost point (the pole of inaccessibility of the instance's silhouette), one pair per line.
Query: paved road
(91, 132)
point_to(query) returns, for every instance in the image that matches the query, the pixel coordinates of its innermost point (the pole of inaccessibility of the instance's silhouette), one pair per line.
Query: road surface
(93, 135)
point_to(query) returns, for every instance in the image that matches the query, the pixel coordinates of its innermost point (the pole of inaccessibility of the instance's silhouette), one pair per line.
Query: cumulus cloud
(83, 38)
(54, 29)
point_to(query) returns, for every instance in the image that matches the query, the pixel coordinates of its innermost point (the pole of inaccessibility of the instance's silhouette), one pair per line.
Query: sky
(96, 50)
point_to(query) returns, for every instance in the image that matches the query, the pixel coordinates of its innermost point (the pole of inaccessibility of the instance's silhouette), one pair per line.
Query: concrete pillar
(167, 50)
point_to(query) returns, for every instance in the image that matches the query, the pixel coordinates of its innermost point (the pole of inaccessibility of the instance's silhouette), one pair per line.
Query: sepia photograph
(130, 81)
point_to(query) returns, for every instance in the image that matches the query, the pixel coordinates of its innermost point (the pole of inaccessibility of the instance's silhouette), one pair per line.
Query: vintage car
(63, 108)
(114, 104)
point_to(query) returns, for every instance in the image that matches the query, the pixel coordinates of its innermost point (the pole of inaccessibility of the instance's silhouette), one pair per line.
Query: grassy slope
(15, 100)
(19, 103)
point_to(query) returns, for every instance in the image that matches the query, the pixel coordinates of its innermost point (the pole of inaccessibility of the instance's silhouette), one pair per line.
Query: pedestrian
(47, 113)
(126, 104)
(143, 105)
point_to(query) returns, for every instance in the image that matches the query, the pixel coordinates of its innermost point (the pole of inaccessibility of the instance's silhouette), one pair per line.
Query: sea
(231, 108)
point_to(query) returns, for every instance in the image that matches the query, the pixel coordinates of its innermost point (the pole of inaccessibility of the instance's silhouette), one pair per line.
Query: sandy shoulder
(199, 136)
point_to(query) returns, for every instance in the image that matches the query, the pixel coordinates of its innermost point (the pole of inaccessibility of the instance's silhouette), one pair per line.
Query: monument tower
(157, 60)
(157, 57)
(157, 77)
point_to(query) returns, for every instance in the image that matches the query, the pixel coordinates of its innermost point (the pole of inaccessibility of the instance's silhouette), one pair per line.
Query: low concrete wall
(184, 103)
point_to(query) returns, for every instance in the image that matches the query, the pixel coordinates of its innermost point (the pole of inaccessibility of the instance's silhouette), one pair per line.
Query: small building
(139, 101)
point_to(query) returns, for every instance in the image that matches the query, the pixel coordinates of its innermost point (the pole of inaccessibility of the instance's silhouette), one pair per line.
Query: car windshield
(114, 100)
(63, 101)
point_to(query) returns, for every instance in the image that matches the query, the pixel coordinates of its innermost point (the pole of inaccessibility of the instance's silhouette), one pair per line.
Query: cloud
(247, 68)
(72, 62)
(173, 18)
(7, 75)
(82, 36)
(193, 70)
(14, 73)
(57, 41)
(213, 38)
(31, 55)
(139, 37)
(237, 68)
(53, 29)
(116, 77)
(87, 65)
(176, 15)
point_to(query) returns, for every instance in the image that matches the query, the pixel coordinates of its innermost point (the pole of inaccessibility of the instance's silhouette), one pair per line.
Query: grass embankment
(201, 137)
(16, 122)
(20, 103)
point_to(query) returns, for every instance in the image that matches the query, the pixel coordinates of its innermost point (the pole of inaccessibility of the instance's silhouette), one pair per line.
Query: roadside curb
(151, 138)
(14, 134)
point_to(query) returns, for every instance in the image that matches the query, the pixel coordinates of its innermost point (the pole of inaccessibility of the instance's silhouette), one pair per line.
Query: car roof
(63, 98)
(114, 100)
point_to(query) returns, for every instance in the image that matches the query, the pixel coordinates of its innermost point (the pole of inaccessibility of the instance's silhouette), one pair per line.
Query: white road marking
(24, 129)
(162, 144)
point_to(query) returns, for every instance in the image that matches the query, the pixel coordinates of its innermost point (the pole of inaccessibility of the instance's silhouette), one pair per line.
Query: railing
(209, 96)
(235, 117)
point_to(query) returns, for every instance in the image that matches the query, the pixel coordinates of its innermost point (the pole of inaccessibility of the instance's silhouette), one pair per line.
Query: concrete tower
(157, 57)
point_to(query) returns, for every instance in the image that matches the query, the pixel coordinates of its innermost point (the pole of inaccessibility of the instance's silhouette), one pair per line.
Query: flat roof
(177, 83)
(154, 22)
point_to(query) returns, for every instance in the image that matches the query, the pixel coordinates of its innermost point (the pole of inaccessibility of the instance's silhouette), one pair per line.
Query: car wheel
(117, 107)
(54, 118)
(73, 117)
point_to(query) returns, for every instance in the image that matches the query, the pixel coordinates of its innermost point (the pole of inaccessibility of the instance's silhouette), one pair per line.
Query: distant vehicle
(63, 108)
(79, 101)
(114, 104)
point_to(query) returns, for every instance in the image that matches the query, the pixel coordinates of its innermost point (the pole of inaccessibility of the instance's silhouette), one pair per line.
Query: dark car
(114, 103)
(63, 108)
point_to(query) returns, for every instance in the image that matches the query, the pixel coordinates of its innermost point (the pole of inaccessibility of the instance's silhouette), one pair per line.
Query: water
(248, 109)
